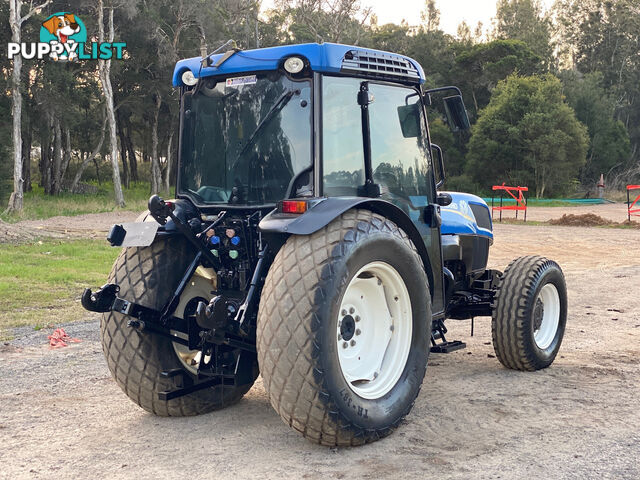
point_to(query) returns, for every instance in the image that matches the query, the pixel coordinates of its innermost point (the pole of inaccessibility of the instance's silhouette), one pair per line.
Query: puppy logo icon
(63, 37)
(64, 32)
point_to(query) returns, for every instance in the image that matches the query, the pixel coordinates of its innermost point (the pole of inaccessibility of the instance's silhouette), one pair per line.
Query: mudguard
(325, 211)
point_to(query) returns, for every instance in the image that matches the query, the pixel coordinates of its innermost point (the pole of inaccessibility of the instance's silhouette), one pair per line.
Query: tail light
(293, 206)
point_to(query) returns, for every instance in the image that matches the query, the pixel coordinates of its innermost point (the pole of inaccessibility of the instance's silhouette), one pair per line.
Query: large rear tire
(529, 314)
(343, 330)
(149, 276)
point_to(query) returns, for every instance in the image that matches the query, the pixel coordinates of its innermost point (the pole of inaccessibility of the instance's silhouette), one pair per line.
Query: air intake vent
(483, 217)
(380, 65)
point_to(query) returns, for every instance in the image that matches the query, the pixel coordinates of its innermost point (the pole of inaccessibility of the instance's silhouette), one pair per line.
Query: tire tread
(287, 323)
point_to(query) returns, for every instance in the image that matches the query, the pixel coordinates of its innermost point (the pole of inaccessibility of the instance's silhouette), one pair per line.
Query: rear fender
(324, 212)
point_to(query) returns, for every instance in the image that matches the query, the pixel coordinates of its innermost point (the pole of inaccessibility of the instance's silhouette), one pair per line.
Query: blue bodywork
(459, 219)
(325, 58)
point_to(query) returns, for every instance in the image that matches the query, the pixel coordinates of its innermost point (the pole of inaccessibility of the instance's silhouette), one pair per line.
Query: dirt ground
(615, 212)
(90, 225)
(62, 415)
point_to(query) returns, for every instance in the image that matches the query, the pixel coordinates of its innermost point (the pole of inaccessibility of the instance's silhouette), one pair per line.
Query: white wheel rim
(374, 330)
(546, 316)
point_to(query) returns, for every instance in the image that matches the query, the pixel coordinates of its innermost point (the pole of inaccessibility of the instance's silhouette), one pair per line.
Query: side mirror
(456, 113)
(409, 116)
(435, 148)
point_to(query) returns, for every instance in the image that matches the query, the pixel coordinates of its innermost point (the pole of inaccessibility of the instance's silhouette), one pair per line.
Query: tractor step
(448, 347)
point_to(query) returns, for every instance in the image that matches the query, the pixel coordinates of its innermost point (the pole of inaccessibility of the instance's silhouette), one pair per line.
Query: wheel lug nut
(345, 345)
(343, 312)
(358, 332)
(353, 342)
(351, 310)
(339, 337)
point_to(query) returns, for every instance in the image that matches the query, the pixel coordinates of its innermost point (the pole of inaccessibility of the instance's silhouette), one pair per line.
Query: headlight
(189, 79)
(294, 64)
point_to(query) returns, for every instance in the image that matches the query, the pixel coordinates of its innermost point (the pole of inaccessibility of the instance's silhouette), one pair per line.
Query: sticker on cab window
(239, 81)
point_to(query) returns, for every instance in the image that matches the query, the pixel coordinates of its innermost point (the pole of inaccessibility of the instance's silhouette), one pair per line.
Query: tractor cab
(330, 126)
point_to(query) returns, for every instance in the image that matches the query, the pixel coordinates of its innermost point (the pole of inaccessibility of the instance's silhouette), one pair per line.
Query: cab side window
(343, 154)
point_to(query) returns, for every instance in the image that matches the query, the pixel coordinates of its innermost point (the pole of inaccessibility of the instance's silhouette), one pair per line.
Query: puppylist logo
(63, 36)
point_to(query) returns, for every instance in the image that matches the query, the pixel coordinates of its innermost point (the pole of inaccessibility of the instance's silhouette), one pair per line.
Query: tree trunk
(104, 67)
(57, 159)
(91, 157)
(123, 150)
(156, 175)
(44, 149)
(15, 22)
(133, 161)
(167, 178)
(66, 158)
(95, 162)
(16, 199)
(48, 160)
(26, 159)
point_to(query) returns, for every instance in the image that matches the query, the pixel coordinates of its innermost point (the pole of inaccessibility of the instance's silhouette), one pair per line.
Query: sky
(452, 12)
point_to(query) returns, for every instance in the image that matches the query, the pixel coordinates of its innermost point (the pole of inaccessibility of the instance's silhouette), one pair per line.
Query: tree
(340, 21)
(610, 148)
(528, 135)
(430, 16)
(483, 65)
(104, 69)
(603, 36)
(524, 20)
(16, 19)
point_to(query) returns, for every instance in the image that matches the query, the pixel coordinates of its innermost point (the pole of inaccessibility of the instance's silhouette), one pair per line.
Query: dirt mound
(631, 223)
(11, 234)
(590, 220)
(585, 220)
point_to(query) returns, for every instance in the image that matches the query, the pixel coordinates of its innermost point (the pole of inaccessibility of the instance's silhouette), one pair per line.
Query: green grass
(38, 206)
(41, 283)
(532, 202)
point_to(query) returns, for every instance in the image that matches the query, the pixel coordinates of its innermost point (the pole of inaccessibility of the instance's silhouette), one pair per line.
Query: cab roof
(325, 58)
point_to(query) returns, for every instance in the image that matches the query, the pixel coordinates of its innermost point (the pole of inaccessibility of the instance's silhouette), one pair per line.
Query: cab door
(402, 167)
(400, 158)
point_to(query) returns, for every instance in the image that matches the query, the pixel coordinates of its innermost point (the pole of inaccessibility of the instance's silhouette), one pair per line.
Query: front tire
(529, 314)
(331, 302)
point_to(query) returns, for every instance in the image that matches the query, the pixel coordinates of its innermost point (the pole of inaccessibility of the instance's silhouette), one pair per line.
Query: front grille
(377, 64)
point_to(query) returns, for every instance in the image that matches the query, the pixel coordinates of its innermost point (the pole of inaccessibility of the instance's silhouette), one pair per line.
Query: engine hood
(466, 215)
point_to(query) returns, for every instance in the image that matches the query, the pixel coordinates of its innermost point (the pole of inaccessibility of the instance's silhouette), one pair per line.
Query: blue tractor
(309, 243)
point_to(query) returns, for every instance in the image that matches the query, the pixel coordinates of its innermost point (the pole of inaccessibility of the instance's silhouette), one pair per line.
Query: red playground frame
(633, 208)
(521, 201)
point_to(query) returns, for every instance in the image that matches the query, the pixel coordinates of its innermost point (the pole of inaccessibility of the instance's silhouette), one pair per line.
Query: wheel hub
(347, 327)
(538, 315)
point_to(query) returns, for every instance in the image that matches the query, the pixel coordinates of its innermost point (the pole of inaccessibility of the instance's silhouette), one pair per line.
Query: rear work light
(293, 206)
